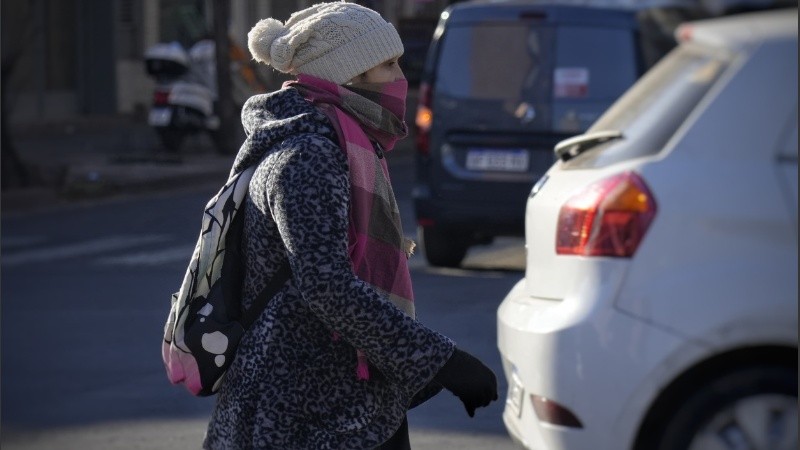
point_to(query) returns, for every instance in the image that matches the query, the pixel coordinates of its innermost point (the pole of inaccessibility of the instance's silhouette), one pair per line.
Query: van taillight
(608, 218)
(424, 118)
(161, 97)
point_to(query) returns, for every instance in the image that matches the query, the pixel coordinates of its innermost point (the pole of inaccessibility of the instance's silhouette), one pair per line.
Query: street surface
(85, 292)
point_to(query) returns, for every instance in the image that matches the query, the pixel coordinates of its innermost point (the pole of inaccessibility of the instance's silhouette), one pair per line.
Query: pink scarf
(360, 114)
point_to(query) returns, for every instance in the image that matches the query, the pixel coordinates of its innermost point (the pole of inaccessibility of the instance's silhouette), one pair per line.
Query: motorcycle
(185, 94)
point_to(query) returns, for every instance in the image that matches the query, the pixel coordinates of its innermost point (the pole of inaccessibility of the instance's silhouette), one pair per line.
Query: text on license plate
(511, 160)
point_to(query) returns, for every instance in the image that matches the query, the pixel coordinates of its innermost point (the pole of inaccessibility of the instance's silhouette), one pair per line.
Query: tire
(744, 406)
(443, 248)
(171, 138)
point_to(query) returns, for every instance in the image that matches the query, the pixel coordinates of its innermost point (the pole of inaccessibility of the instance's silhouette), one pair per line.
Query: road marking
(164, 256)
(78, 249)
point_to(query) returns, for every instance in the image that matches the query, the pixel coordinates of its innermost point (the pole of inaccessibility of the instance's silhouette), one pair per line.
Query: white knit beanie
(333, 41)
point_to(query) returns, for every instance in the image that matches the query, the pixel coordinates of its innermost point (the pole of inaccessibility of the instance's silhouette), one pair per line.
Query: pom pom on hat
(335, 41)
(262, 36)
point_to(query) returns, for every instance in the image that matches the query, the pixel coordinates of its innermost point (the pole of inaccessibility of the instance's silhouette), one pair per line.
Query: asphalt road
(85, 292)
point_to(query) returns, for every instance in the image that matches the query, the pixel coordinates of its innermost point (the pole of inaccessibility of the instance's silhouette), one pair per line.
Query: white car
(659, 304)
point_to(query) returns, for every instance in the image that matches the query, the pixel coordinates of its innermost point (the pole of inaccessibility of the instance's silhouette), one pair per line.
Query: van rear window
(519, 61)
(604, 60)
(494, 62)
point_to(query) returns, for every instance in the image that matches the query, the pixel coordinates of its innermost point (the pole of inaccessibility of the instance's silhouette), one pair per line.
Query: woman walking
(337, 358)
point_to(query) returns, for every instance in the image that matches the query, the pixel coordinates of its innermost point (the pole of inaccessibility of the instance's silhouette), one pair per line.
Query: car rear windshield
(652, 110)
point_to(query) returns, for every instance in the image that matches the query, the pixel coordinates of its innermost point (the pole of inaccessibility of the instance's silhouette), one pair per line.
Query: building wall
(136, 30)
(96, 56)
(39, 52)
(58, 59)
(75, 58)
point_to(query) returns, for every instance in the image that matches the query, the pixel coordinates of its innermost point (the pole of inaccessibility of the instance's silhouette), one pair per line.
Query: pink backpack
(205, 322)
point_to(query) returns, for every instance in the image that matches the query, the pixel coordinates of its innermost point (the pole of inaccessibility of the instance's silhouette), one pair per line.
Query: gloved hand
(469, 379)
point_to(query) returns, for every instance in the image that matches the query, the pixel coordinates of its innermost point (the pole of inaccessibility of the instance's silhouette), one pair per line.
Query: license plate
(511, 160)
(515, 395)
(160, 117)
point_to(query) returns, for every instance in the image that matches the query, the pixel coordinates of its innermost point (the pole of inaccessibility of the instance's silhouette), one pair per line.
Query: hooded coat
(293, 383)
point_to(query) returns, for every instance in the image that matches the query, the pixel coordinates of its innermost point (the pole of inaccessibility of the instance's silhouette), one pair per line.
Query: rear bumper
(500, 218)
(584, 355)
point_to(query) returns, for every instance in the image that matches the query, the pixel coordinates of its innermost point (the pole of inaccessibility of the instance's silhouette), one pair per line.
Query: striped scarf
(363, 114)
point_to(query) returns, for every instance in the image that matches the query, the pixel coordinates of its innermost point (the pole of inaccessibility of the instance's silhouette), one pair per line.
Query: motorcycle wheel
(222, 147)
(171, 138)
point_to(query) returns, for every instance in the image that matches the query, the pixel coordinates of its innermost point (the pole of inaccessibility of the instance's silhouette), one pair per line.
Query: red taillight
(552, 412)
(161, 97)
(425, 222)
(684, 33)
(608, 218)
(424, 118)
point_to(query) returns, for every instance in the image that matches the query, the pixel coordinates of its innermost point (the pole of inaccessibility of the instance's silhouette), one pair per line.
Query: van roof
(543, 11)
(742, 30)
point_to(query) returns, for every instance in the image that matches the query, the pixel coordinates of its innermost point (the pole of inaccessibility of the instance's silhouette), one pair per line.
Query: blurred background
(78, 65)
(101, 204)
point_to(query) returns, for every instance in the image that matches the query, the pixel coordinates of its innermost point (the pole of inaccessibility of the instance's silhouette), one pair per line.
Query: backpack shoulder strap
(263, 298)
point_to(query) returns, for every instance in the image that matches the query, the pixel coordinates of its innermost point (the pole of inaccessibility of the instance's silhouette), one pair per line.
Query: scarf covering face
(378, 249)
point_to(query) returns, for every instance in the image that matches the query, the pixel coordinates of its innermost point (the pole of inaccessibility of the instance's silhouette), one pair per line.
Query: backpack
(205, 323)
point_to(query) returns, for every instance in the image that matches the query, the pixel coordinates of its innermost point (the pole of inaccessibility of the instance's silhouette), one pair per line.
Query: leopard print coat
(293, 382)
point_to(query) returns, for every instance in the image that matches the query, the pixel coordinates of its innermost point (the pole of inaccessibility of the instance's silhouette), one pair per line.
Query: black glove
(469, 379)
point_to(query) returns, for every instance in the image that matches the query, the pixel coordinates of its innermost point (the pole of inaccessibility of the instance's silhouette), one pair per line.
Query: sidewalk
(103, 157)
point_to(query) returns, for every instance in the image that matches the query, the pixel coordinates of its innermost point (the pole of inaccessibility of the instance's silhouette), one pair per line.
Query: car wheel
(749, 408)
(443, 248)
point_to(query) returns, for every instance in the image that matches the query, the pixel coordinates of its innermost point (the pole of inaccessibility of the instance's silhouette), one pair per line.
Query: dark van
(503, 83)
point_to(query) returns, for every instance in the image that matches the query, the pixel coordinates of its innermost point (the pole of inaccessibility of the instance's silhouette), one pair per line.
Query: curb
(143, 175)
(114, 177)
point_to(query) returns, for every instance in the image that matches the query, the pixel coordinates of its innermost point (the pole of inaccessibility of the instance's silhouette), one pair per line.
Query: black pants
(399, 440)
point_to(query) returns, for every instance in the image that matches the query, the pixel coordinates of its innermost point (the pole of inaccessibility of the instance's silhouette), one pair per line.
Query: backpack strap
(263, 298)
